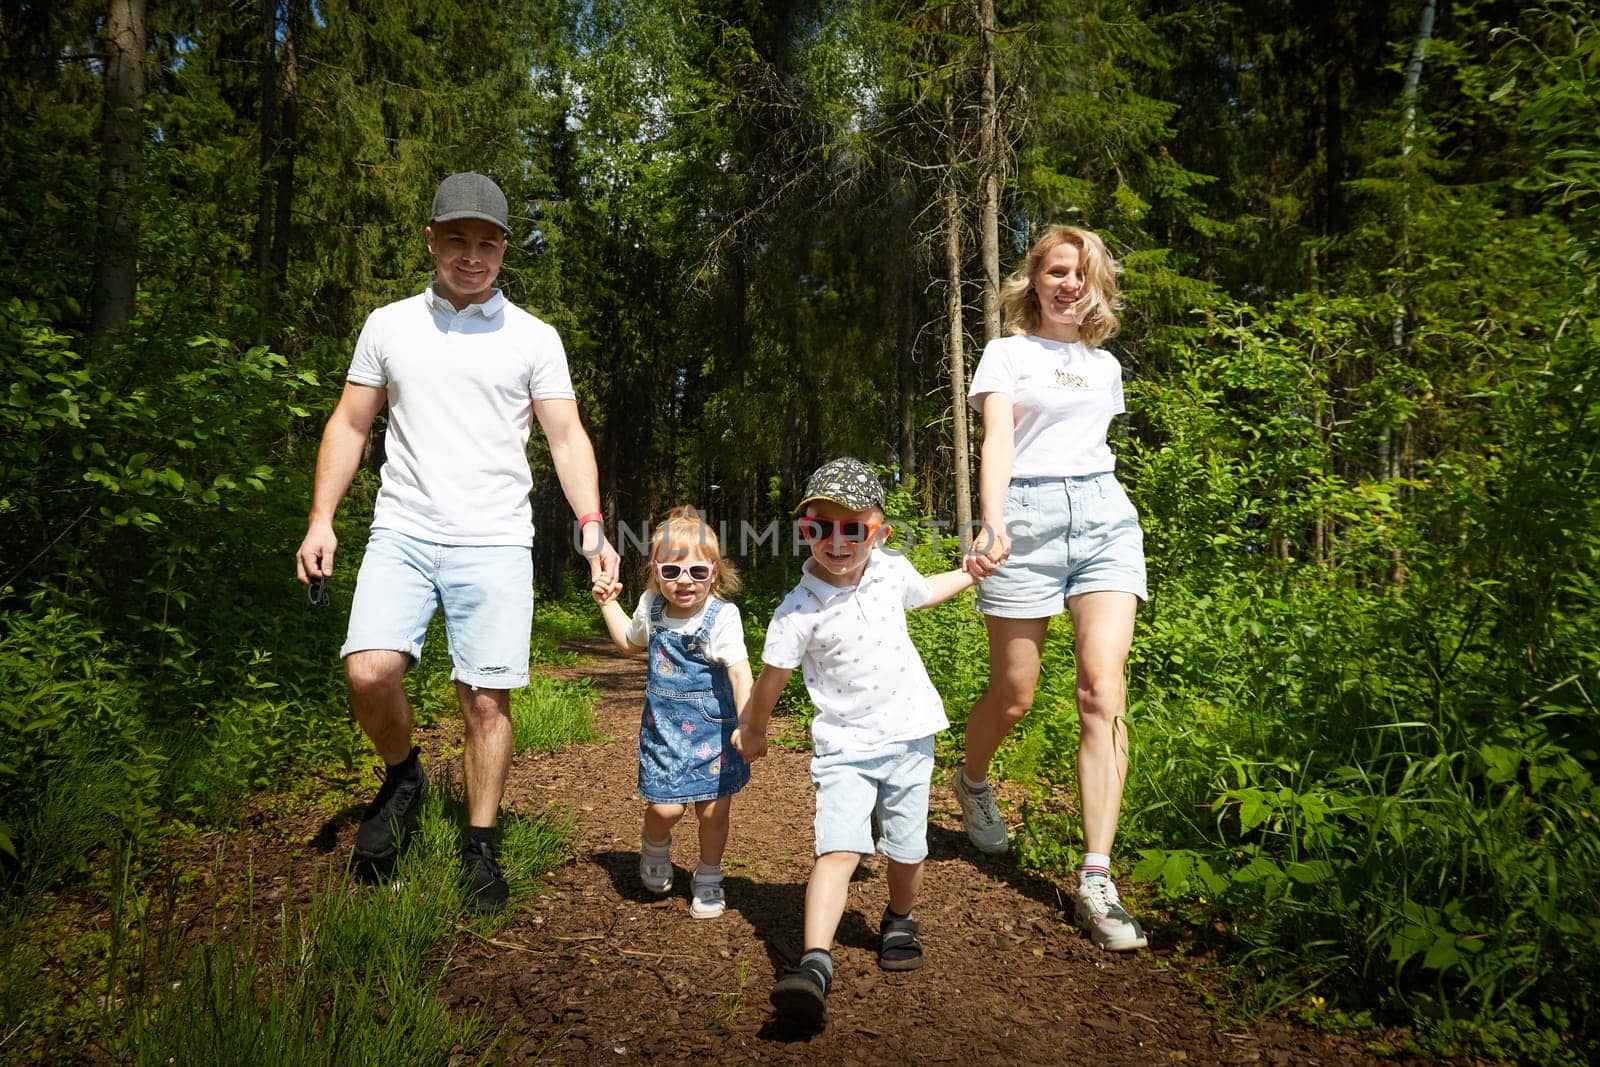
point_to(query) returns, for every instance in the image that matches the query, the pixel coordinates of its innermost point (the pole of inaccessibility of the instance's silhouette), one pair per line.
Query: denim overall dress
(689, 717)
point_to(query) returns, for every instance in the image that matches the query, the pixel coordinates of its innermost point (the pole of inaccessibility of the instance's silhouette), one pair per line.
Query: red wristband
(588, 517)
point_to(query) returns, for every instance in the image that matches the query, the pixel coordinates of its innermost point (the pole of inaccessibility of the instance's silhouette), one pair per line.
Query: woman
(1062, 533)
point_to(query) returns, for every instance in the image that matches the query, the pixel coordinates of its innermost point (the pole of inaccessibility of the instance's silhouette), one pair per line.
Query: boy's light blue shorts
(486, 592)
(1068, 536)
(894, 781)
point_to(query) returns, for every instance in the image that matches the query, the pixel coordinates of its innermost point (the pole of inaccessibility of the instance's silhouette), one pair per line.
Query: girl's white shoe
(709, 900)
(655, 864)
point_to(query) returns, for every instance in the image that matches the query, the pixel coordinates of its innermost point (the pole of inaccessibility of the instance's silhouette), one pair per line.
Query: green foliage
(1374, 784)
(1356, 835)
(548, 714)
(96, 444)
(556, 622)
(950, 637)
(58, 801)
(20, 968)
(1359, 341)
(93, 756)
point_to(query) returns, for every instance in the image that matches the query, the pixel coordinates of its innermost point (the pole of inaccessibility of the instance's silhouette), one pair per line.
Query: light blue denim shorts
(894, 781)
(1068, 536)
(486, 592)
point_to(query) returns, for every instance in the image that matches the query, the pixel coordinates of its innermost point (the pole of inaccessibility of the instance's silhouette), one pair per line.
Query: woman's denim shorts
(1068, 536)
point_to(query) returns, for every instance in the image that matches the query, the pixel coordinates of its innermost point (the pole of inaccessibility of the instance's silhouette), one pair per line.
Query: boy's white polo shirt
(461, 386)
(862, 671)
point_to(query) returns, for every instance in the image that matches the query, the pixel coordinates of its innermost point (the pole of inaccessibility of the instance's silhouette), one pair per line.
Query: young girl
(699, 678)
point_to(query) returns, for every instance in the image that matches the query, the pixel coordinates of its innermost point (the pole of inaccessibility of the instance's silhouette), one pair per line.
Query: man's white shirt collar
(487, 308)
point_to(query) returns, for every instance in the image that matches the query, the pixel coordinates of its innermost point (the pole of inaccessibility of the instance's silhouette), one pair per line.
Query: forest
(1360, 266)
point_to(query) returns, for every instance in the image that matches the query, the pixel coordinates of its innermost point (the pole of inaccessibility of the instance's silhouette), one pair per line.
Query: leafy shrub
(1379, 780)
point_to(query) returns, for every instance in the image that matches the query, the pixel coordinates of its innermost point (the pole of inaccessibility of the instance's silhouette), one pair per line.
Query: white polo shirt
(1063, 396)
(461, 391)
(861, 669)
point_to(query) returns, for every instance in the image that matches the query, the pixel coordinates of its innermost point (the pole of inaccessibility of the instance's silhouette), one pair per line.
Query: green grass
(555, 621)
(351, 978)
(550, 713)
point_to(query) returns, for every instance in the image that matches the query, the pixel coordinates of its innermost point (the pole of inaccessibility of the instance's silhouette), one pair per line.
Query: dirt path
(596, 969)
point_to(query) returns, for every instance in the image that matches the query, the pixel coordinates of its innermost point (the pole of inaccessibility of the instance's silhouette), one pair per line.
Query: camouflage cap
(847, 482)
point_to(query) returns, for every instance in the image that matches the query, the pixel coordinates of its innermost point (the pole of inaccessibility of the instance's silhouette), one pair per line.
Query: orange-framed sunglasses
(814, 530)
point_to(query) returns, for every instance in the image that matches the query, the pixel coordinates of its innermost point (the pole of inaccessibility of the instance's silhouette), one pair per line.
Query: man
(464, 373)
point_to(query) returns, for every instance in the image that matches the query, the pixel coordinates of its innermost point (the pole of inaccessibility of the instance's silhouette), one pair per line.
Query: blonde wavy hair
(1098, 320)
(684, 532)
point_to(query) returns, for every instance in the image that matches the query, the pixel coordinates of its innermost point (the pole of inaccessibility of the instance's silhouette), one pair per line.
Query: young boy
(876, 714)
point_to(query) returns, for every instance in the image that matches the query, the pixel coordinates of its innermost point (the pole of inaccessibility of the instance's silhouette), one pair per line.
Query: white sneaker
(655, 865)
(1100, 913)
(980, 816)
(709, 900)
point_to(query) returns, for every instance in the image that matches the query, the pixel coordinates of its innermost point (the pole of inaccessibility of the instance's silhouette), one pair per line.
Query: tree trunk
(989, 153)
(958, 359)
(116, 274)
(905, 343)
(738, 332)
(1392, 448)
(285, 152)
(267, 125)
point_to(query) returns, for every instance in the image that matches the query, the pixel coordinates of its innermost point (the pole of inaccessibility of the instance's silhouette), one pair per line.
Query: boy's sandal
(898, 947)
(800, 997)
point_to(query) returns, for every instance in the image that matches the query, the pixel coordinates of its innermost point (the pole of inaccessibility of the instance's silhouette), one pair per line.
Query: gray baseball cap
(845, 481)
(470, 195)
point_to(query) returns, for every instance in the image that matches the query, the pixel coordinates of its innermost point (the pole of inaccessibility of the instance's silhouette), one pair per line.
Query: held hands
(749, 743)
(991, 549)
(607, 562)
(605, 590)
(604, 562)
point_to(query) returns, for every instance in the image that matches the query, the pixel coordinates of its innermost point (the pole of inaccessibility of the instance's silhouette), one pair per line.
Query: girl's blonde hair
(1098, 307)
(686, 531)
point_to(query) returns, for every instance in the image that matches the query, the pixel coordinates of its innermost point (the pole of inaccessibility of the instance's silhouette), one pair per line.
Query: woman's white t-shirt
(1063, 396)
(724, 648)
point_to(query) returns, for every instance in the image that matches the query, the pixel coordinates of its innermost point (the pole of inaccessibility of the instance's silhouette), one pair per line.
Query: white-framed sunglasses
(670, 572)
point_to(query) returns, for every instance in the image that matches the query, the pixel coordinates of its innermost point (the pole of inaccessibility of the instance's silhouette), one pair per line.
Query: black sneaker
(486, 886)
(386, 824)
